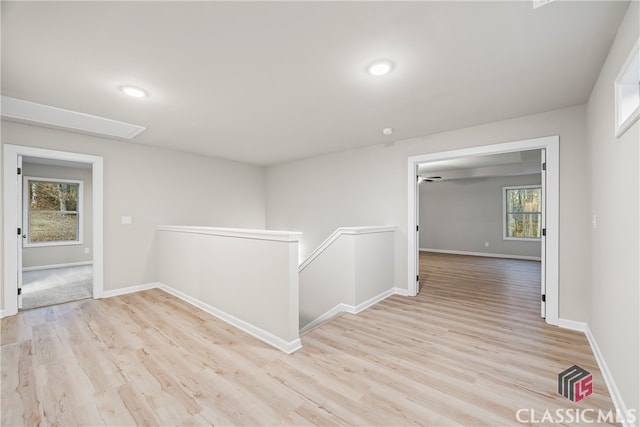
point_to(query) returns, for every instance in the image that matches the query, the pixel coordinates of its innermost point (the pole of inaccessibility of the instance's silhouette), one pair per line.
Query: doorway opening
(57, 218)
(69, 253)
(540, 217)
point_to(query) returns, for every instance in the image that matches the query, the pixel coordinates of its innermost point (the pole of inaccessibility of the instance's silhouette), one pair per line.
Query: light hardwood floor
(470, 350)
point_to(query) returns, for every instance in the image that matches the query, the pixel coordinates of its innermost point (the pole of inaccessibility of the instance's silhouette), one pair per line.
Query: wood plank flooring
(470, 350)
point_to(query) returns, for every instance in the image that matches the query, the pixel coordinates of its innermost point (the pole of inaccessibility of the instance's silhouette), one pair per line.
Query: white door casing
(21, 231)
(551, 145)
(11, 217)
(543, 238)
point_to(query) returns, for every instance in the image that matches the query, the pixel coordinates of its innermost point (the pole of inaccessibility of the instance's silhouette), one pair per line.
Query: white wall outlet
(86, 250)
(594, 222)
(126, 220)
(486, 244)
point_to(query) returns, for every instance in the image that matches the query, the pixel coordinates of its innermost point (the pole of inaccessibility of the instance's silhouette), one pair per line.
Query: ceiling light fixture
(380, 68)
(387, 131)
(133, 91)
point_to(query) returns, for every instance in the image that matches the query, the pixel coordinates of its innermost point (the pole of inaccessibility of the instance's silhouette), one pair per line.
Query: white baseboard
(277, 342)
(47, 267)
(373, 300)
(618, 402)
(1, 314)
(401, 291)
(484, 254)
(573, 325)
(130, 290)
(347, 308)
(340, 308)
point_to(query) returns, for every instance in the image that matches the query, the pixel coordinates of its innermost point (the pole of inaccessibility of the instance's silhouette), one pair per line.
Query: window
(52, 212)
(627, 92)
(522, 212)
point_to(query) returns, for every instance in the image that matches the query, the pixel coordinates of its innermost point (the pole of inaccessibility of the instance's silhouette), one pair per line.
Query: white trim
(633, 60)
(48, 267)
(339, 232)
(130, 289)
(340, 308)
(618, 402)
(483, 254)
(1, 314)
(22, 111)
(10, 199)
(261, 334)
(373, 301)
(401, 291)
(246, 233)
(347, 308)
(552, 146)
(572, 324)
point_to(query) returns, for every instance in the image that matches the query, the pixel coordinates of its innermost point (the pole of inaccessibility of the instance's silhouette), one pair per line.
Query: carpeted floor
(56, 286)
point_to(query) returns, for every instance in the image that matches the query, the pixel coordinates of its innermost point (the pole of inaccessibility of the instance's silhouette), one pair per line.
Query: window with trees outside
(52, 212)
(522, 213)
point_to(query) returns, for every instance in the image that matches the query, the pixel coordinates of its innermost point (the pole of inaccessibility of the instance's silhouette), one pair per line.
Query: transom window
(522, 212)
(52, 212)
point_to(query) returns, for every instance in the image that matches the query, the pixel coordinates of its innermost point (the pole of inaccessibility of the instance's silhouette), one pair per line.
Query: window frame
(505, 213)
(26, 242)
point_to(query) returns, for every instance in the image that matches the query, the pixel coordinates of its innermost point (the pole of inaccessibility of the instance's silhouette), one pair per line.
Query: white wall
(615, 308)
(54, 255)
(355, 265)
(247, 278)
(461, 215)
(369, 186)
(154, 186)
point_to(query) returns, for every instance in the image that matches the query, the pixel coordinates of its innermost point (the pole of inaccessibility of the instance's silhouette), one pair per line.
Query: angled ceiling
(267, 82)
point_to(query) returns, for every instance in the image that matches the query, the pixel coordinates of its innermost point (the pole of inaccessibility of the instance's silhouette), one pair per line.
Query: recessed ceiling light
(133, 91)
(387, 131)
(380, 68)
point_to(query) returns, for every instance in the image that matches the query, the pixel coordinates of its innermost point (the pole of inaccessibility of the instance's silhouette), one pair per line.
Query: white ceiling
(486, 166)
(266, 82)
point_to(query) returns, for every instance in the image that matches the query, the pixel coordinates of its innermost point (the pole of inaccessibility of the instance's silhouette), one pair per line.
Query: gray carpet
(58, 295)
(56, 285)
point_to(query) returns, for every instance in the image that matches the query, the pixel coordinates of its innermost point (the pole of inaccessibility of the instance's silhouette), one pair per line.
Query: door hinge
(19, 231)
(544, 166)
(19, 291)
(417, 278)
(417, 228)
(544, 231)
(19, 171)
(544, 298)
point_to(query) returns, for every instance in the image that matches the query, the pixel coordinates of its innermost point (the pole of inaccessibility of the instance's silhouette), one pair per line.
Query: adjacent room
(57, 221)
(320, 213)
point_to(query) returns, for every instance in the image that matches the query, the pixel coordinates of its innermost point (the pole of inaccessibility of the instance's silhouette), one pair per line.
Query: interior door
(417, 232)
(543, 238)
(21, 231)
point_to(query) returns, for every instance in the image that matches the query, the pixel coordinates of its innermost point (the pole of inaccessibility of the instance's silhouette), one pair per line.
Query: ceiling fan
(431, 178)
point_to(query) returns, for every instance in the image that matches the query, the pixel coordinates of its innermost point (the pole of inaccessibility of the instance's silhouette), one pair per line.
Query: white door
(543, 238)
(21, 231)
(417, 232)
